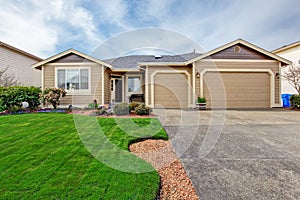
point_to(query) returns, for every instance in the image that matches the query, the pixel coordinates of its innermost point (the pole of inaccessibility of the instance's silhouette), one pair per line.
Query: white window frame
(137, 75)
(141, 84)
(80, 91)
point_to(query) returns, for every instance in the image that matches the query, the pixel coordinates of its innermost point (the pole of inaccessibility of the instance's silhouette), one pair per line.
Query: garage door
(170, 90)
(237, 90)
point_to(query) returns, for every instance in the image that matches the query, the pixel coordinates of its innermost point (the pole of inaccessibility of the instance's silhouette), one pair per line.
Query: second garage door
(170, 90)
(237, 89)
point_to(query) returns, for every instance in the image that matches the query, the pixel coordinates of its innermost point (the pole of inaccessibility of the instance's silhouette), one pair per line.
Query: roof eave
(39, 64)
(286, 47)
(20, 51)
(241, 41)
(161, 63)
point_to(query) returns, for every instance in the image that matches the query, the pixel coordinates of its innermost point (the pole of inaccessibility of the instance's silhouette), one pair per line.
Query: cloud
(113, 14)
(47, 28)
(213, 23)
(41, 28)
(146, 40)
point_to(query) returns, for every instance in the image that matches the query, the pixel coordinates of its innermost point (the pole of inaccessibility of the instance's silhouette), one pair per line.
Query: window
(73, 79)
(112, 85)
(134, 84)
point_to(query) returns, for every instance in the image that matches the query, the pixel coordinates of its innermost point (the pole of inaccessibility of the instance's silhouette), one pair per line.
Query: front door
(118, 90)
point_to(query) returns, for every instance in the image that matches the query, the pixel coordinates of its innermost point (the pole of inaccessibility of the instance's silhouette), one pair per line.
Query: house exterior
(292, 53)
(236, 75)
(18, 64)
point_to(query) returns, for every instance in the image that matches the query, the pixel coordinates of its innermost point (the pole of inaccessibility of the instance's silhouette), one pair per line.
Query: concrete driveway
(254, 154)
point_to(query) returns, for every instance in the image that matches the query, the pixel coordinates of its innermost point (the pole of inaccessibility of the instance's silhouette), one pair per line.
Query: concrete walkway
(238, 154)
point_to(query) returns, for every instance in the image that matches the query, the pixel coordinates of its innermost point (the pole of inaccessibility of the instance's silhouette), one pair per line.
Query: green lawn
(42, 156)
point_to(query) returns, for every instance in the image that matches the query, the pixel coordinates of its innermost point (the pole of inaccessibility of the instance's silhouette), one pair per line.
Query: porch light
(197, 75)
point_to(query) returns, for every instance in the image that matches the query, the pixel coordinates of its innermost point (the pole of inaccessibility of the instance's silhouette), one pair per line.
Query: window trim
(134, 75)
(75, 92)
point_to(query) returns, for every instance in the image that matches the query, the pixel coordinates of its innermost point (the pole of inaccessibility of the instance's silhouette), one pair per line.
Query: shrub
(201, 100)
(99, 112)
(133, 105)
(14, 96)
(295, 101)
(121, 109)
(14, 109)
(142, 110)
(94, 104)
(52, 95)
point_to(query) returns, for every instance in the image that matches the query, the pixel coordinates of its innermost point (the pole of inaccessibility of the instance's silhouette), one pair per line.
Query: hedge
(11, 97)
(295, 101)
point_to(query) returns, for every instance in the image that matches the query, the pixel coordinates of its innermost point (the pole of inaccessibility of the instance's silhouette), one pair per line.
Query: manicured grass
(42, 156)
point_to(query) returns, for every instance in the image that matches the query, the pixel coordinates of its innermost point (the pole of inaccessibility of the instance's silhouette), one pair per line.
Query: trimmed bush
(93, 105)
(295, 101)
(201, 100)
(133, 105)
(12, 97)
(142, 110)
(121, 109)
(52, 95)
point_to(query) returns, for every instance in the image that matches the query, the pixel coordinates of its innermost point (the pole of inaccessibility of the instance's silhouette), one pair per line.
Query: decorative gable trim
(243, 42)
(70, 51)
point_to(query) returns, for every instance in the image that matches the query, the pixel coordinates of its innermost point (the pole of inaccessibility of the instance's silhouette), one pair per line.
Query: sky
(45, 28)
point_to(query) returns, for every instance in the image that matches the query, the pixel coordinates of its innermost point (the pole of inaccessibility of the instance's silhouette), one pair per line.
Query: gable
(239, 51)
(70, 58)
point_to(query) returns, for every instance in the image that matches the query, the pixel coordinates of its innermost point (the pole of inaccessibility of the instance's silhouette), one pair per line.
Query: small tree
(292, 75)
(7, 80)
(52, 95)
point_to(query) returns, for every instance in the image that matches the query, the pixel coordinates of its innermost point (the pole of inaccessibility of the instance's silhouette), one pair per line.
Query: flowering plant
(52, 95)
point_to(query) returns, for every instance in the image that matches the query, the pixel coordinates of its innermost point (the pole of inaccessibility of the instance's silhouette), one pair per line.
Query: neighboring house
(236, 75)
(18, 64)
(292, 53)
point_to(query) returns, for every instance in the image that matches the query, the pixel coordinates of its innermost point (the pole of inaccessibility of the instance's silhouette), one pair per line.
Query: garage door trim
(272, 80)
(170, 72)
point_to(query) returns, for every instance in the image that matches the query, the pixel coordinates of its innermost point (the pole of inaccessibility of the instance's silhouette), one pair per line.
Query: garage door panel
(170, 90)
(237, 89)
(244, 89)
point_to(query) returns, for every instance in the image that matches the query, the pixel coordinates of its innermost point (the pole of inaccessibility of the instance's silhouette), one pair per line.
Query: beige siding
(206, 64)
(82, 100)
(197, 85)
(19, 66)
(153, 69)
(107, 86)
(237, 89)
(49, 76)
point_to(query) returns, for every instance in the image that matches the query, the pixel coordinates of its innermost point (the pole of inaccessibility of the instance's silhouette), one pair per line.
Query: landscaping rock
(175, 184)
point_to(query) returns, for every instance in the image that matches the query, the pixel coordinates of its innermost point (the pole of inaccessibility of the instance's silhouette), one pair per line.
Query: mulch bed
(131, 115)
(175, 184)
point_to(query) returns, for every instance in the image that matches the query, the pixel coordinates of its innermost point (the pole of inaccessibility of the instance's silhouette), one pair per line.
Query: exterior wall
(19, 66)
(292, 54)
(107, 86)
(243, 53)
(152, 69)
(76, 99)
(210, 64)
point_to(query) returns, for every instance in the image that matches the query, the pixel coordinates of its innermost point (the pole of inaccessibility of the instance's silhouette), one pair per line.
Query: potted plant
(201, 103)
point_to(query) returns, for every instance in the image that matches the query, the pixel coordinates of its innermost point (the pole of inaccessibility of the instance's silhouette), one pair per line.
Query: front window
(134, 84)
(73, 79)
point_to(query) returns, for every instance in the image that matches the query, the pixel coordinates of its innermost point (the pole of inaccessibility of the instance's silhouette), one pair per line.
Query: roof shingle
(132, 61)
